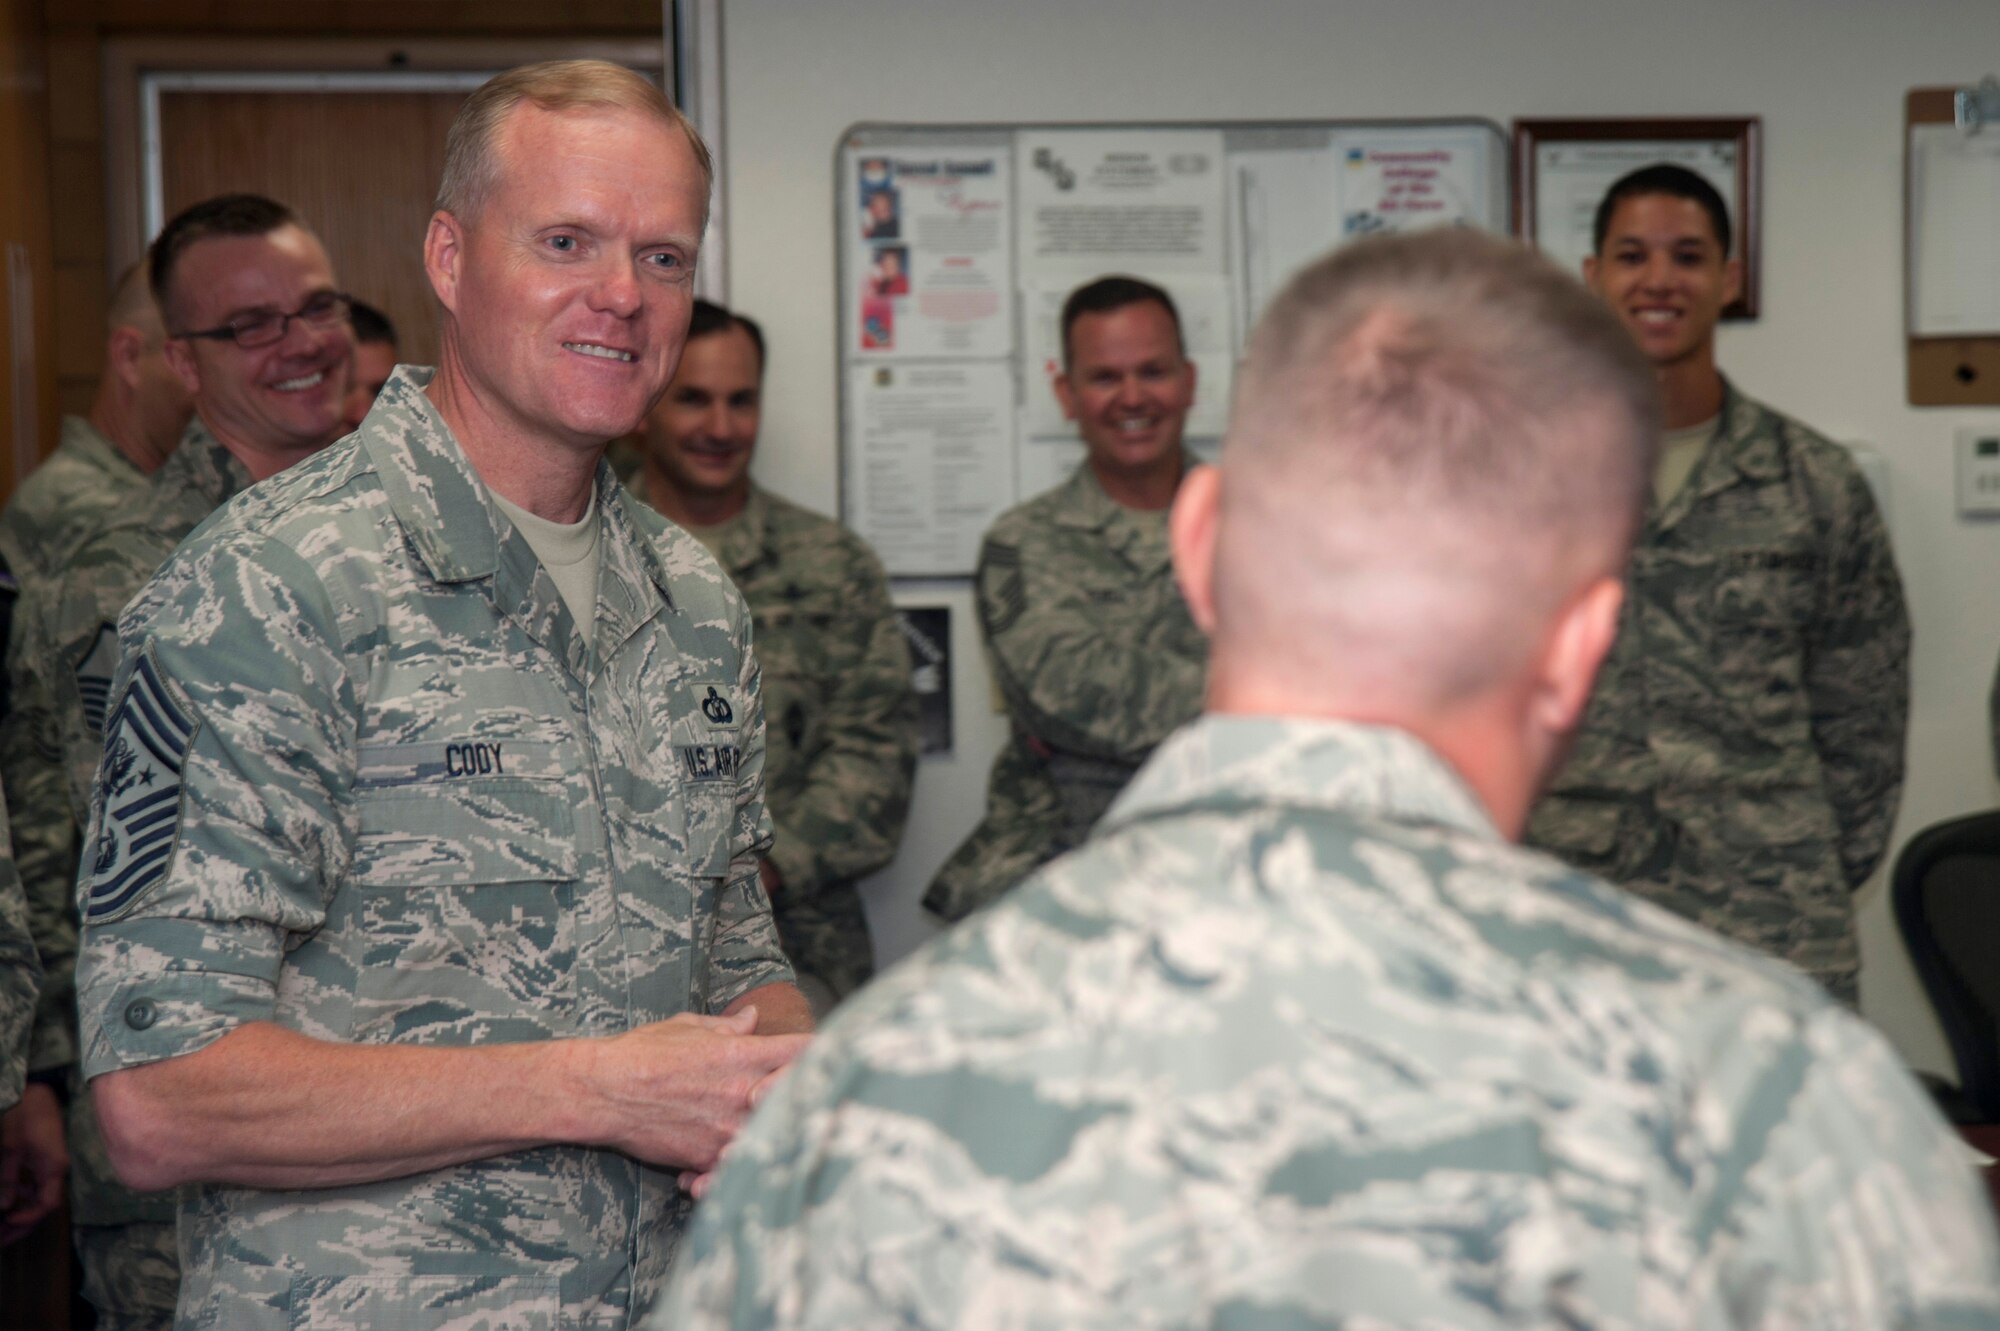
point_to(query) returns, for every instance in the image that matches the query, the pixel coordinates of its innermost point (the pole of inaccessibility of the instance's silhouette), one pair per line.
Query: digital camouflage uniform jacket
(1098, 660)
(1297, 1040)
(70, 649)
(840, 722)
(81, 486)
(1742, 756)
(20, 977)
(365, 778)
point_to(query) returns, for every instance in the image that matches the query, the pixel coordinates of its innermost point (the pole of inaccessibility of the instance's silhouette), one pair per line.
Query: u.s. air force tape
(139, 787)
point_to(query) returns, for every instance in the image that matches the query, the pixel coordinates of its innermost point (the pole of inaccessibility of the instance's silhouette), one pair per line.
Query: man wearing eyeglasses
(259, 334)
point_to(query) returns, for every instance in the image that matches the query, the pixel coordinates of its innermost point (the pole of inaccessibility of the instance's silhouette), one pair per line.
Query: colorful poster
(928, 252)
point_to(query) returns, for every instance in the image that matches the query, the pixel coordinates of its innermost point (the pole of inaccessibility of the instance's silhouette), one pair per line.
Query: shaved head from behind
(1440, 447)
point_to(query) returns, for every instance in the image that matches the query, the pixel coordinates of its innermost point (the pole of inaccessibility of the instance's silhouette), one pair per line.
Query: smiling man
(841, 713)
(423, 939)
(1743, 754)
(257, 333)
(1085, 630)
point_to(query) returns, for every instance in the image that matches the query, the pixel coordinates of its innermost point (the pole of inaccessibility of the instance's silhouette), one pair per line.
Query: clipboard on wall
(1951, 248)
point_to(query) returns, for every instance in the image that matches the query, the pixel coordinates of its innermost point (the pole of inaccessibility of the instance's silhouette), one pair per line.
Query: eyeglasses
(262, 328)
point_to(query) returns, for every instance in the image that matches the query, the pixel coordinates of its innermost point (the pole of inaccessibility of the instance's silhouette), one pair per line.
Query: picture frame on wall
(1562, 168)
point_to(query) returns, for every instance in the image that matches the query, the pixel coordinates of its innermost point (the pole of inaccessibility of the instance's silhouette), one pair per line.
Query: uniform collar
(81, 437)
(1082, 503)
(745, 538)
(449, 516)
(1740, 450)
(748, 539)
(1136, 537)
(204, 465)
(1239, 763)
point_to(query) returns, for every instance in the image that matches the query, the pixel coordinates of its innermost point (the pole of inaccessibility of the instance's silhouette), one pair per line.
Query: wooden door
(359, 167)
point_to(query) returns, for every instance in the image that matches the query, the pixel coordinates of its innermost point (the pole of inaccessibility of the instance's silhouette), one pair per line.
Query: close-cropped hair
(709, 318)
(132, 304)
(1455, 374)
(1661, 178)
(1435, 441)
(371, 326)
(1115, 292)
(223, 215)
(471, 145)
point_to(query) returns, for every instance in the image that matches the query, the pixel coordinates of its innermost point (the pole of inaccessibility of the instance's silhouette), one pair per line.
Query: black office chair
(1946, 891)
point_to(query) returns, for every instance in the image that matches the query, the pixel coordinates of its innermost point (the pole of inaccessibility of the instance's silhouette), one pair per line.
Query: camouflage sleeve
(44, 841)
(232, 708)
(847, 820)
(1858, 1207)
(745, 953)
(20, 978)
(1094, 666)
(1857, 673)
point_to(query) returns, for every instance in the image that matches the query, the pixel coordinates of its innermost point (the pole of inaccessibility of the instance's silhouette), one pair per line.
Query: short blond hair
(470, 164)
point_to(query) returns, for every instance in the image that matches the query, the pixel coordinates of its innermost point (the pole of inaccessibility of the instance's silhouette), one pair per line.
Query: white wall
(1827, 76)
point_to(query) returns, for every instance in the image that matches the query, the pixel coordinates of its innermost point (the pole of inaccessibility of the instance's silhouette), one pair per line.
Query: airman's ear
(444, 252)
(1191, 535)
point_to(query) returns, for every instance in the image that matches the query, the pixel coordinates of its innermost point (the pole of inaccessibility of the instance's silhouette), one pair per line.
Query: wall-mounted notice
(929, 253)
(933, 463)
(959, 245)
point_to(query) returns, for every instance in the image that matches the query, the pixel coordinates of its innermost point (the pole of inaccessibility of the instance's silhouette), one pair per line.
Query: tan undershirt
(569, 551)
(1680, 450)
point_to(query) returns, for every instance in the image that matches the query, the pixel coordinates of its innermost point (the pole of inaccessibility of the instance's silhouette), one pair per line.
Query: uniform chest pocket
(1761, 592)
(462, 924)
(1756, 609)
(472, 832)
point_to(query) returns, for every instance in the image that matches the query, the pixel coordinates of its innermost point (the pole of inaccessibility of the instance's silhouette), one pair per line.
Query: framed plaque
(1563, 168)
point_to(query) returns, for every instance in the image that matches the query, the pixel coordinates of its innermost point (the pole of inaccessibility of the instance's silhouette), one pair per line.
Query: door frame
(137, 69)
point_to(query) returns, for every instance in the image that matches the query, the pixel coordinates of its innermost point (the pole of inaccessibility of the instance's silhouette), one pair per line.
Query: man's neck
(1476, 739)
(693, 510)
(548, 478)
(1150, 490)
(261, 461)
(1690, 392)
(115, 418)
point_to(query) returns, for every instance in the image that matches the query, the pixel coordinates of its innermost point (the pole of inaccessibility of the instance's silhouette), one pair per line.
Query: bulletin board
(956, 245)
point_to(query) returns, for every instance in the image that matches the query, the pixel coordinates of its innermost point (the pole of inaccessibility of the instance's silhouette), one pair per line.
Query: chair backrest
(1947, 897)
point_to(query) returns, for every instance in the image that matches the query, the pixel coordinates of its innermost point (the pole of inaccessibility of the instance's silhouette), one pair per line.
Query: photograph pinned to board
(1563, 168)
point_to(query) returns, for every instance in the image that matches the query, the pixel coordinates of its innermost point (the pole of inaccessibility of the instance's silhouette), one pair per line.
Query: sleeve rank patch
(139, 786)
(93, 677)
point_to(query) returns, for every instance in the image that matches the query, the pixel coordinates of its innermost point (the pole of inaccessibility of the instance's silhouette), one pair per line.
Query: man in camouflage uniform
(29, 1188)
(227, 273)
(840, 713)
(104, 457)
(98, 470)
(423, 942)
(1298, 1038)
(1743, 756)
(1085, 631)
